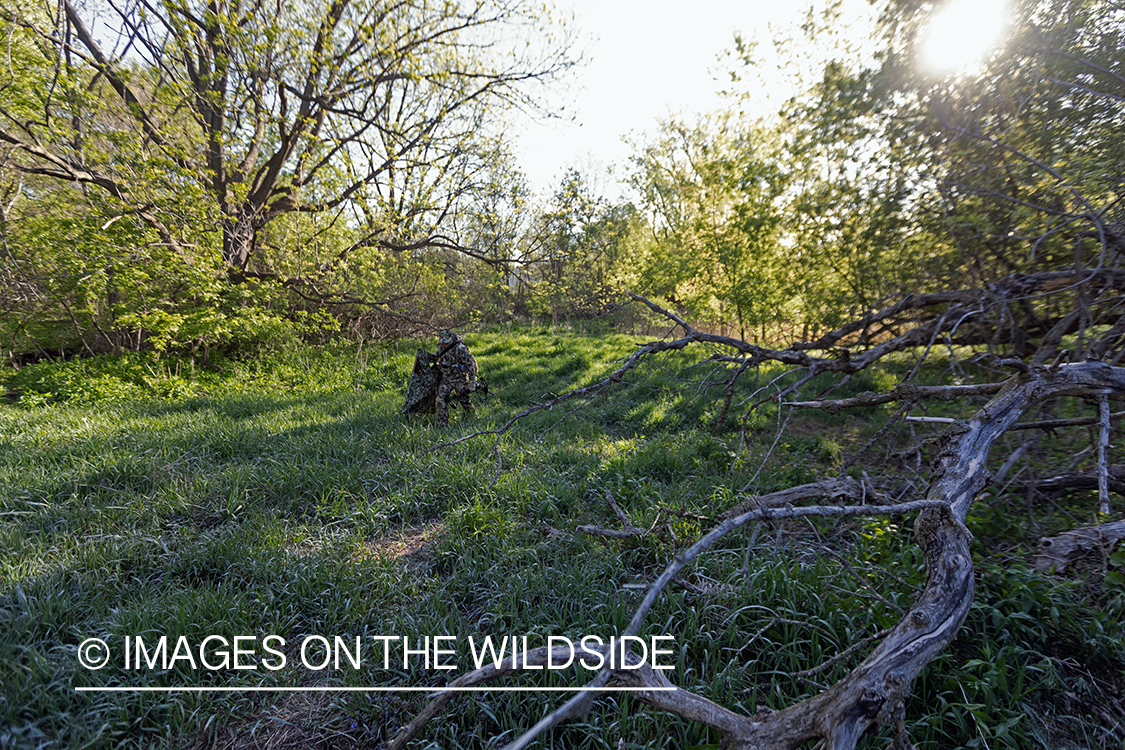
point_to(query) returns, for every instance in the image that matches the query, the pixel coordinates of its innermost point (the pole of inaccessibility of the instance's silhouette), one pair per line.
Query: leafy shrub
(84, 381)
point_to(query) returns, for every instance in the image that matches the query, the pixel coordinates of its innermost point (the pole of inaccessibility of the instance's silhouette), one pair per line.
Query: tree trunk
(239, 234)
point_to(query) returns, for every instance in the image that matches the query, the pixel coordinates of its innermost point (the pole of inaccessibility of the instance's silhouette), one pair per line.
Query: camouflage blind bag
(421, 392)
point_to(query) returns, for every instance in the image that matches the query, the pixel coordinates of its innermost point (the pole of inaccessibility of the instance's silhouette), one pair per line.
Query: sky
(647, 60)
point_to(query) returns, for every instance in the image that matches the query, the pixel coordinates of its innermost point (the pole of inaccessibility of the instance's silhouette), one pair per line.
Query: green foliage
(86, 381)
(972, 175)
(714, 195)
(877, 179)
(578, 252)
(145, 188)
(1114, 583)
(286, 495)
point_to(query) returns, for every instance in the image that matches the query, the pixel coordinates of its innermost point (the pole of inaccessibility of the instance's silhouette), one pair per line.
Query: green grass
(286, 495)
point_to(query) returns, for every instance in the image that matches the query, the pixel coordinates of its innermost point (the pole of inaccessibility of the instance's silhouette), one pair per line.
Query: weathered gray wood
(1103, 450)
(873, 694)
(1064, 483)
(1057, 552)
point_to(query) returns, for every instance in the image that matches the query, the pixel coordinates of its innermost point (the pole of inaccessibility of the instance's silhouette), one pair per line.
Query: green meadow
(285, 495)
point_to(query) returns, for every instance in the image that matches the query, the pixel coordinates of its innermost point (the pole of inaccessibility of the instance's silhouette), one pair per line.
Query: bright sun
(960, 33)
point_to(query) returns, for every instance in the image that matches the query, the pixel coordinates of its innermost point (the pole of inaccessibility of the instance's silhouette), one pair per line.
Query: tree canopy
(208, 124)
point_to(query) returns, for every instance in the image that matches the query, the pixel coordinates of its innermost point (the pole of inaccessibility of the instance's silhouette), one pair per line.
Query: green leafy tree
(714, 193)
(267, 109)
(905, 181)
(340, 149)
(575, 250)
(1017, 165)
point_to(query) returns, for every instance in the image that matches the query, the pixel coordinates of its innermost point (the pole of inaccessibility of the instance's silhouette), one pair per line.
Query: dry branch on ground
(1057, 552)
(872, 695)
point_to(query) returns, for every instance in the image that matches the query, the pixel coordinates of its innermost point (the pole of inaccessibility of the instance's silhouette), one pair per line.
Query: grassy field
(287, 496)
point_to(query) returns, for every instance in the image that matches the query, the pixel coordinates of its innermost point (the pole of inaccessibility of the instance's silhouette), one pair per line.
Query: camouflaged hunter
(449, 376)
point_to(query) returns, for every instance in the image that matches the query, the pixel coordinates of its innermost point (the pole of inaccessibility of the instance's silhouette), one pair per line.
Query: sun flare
(961, 32)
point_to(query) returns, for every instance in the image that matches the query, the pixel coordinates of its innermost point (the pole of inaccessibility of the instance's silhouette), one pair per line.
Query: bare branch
(873, 693)
(629, 531)
(1103, 449)
(1052, 424)
(1063, 483)
(1059, 551)
(831, 489)
(855, 647)
(902, 392)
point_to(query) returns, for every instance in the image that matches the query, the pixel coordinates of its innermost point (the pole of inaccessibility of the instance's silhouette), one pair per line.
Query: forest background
(192, 194)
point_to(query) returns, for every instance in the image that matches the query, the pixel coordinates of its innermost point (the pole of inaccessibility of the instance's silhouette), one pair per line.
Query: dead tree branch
(902, 392)
(873, 693)
(1058, 552)
(1103, 450)
(855, 647)
(1064, 483)
(647, 677)
(830, 489)
(629, 529)
(921, 317)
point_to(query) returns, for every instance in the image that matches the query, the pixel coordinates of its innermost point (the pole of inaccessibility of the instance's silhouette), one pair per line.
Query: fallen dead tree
(871, 695)
(1018, 383)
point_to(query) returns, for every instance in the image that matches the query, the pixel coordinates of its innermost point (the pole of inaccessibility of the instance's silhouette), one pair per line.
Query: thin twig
(1050, 424)
(579, 705)
(843, 654)
(902, 392)
(1103, 450)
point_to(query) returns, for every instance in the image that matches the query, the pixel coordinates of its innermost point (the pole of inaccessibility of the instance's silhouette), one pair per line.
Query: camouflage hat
(446, 336)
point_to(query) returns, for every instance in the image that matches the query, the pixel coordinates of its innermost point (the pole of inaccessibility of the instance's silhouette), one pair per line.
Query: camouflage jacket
(456, 363)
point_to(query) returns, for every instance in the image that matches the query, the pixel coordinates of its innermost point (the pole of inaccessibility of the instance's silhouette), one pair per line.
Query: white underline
(460, 689)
